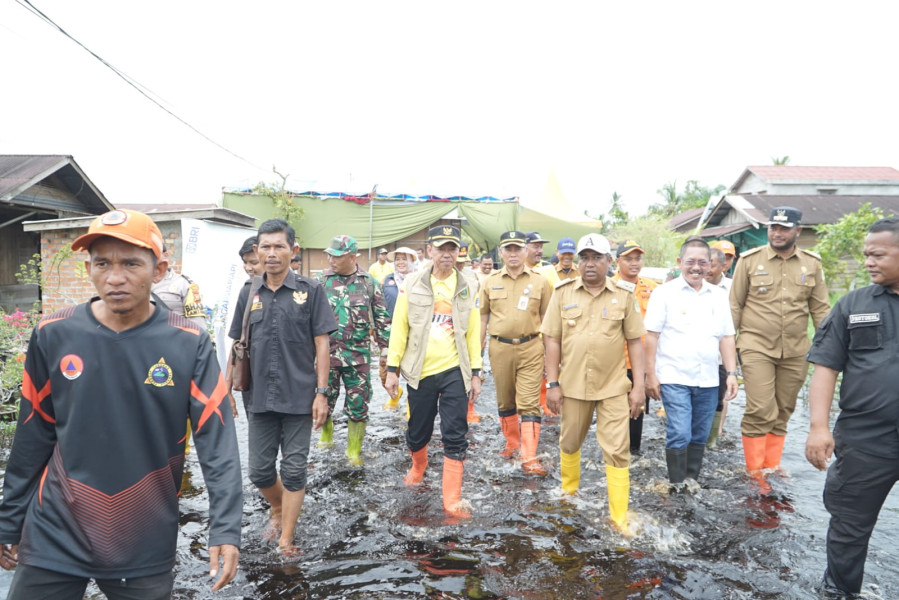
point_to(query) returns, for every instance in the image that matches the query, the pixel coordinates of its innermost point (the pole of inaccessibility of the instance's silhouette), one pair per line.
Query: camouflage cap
(340, 245)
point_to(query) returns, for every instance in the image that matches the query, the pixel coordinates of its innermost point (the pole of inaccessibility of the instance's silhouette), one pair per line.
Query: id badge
(523, 303)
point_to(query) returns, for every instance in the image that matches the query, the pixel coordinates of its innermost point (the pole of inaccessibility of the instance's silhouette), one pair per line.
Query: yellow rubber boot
(419, 463)
(394, 403)
(355, 432)
(571, 471)
(452, 487)
(327, 437)
(619, 487)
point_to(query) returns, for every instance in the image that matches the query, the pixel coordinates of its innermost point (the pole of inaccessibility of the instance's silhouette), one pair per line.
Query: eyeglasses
(693, 263)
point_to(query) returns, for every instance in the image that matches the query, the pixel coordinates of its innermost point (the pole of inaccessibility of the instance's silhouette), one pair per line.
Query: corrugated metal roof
(794, 173)
(816, 209)
(21, 176)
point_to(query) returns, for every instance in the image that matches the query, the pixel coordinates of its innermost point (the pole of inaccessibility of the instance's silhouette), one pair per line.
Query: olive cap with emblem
(340, 245)
(382, 251)
(440, 234)
(513, 238)
(628, 246)
(594, 241)
(536, 238)
(785, 216)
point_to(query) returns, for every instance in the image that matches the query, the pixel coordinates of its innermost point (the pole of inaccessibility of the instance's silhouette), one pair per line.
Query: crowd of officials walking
(109, 384)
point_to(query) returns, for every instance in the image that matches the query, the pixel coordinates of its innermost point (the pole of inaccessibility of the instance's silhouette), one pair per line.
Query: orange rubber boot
(512, 433)
(754, 453)
(530, 437)
(774, 448)
(472, 416)
(452, 487)
(543, 399)
(419, 464)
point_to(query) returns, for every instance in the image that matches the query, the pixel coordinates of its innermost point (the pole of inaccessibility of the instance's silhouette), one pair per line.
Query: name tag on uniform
(497, 287)
(523, 303)
(864, 318)
(567, 306)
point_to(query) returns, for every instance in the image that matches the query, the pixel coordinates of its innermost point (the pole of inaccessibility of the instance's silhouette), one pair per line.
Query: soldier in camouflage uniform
(360, 309)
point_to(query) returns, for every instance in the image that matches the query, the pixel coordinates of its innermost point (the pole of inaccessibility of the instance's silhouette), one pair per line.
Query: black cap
(535, 237)
(510, 238)
(441, 234)
(786, 216)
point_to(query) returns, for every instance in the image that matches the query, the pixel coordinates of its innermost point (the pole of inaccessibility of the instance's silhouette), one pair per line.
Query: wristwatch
(323, 390)
(552, 384)
(729, 373)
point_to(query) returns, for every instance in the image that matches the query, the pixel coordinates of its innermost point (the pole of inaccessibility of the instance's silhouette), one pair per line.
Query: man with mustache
(775, 289)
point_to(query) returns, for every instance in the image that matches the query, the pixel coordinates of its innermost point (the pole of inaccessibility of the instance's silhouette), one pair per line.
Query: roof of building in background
(49, 183)
(797, 174)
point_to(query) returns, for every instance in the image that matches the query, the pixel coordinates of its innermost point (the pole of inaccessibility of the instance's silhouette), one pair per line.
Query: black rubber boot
(694, 460)
(677, 464)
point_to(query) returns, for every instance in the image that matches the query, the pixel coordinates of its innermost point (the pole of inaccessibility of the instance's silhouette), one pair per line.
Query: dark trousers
(34, 583)
(636, 425)
(857, 486)
(443, 393)
(722, 387)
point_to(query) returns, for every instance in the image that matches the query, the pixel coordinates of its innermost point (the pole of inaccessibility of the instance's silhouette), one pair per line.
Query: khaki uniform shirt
(771, 299)
(593, 331)
(516, 306)
(181, 296)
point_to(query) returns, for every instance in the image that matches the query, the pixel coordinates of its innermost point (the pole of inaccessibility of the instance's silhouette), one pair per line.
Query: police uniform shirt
(283, 326)
(593, 331)
(181, 295)
(771, 299)
(859, 337)
(516, 305)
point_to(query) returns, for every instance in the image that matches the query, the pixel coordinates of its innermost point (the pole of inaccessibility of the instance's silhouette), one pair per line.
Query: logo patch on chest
(71, 366)
(160, 374)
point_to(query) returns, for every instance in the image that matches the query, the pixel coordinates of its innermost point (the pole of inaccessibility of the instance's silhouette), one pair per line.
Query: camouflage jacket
(359, 306)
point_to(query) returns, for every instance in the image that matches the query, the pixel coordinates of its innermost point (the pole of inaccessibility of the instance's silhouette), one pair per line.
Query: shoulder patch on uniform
(812, 254)
(563, 282)
(626, 285)
(59, 315)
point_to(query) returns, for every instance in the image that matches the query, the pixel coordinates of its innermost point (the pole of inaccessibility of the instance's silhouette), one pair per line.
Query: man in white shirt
(717, 267)
(688, 322)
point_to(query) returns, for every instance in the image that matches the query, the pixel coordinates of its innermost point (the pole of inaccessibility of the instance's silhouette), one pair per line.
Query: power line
(144, 91)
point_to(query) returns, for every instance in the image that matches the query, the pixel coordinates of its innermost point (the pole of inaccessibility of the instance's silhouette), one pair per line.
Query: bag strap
(245, 330)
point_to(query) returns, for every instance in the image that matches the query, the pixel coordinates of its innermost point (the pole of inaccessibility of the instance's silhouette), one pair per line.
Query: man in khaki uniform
(588, 321)
(514, 300)
(775, 289)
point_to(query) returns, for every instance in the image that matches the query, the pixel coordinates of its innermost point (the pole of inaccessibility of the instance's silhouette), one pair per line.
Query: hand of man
(732, 388)
(653, 387)
(637, 399)
(233, 405)
(10, 556)
(229, 555)
(391, 384)
(319, 411)
(554, 400)
(819, 448)
(475, 388)
(382, 369)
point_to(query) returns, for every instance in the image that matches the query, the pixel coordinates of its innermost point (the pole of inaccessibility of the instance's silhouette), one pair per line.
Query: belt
(515, 341)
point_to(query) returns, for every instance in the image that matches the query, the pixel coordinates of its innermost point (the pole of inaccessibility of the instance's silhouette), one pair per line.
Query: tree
(651, 232)
(673, 202)
(841, 246)
(615, 217)
(785, 160)
(282, 199)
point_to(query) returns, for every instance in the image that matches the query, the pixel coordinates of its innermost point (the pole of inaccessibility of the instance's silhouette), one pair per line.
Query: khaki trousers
(517, 375)
(612, 429)
(772, 385)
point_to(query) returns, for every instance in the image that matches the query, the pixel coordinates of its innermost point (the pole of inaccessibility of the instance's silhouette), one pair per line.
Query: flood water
(363, 534)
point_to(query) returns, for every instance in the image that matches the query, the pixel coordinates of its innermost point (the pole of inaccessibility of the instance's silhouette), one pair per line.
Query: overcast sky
(471, 98)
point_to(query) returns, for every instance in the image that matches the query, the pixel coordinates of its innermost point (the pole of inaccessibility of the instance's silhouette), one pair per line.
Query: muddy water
(365, 535)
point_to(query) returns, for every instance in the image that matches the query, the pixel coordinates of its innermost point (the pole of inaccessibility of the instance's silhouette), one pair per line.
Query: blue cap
(566, 244)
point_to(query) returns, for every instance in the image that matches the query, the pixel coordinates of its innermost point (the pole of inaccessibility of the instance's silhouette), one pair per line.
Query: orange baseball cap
(126, 225)
(725, 246)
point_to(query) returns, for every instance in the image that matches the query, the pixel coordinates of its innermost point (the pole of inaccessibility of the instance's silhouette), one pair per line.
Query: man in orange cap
(107, 388)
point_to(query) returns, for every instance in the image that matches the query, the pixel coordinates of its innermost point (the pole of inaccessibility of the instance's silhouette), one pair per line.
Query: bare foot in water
(272, 530)
(289, 551)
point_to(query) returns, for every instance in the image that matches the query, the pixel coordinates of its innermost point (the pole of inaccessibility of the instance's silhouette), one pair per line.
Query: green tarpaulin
(387, 222)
